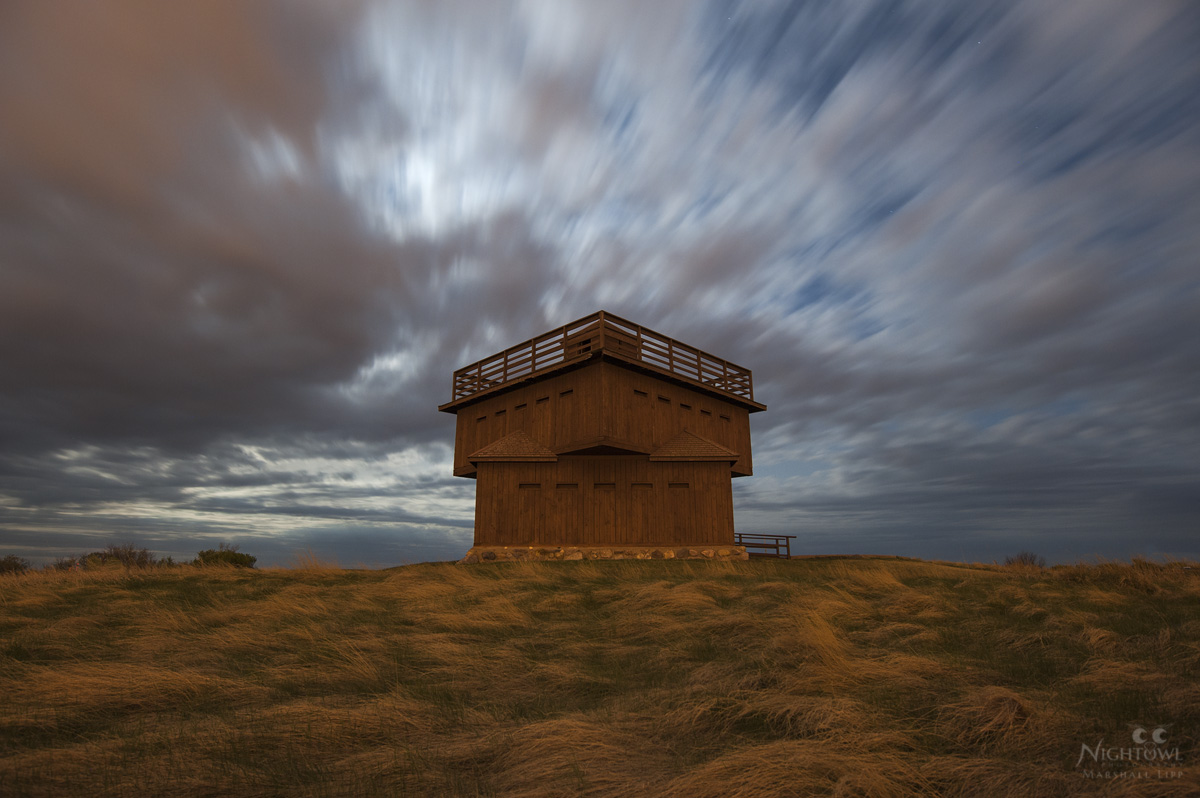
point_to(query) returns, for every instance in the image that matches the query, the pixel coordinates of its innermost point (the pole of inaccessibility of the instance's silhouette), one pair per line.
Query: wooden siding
(553, 411)
(648, 411)
(602, 400)
(608, 500)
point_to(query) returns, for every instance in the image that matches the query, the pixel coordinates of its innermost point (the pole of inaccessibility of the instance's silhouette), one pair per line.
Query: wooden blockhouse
(603, 433)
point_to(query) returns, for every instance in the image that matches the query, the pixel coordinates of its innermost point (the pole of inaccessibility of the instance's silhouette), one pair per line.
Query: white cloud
(956, 245)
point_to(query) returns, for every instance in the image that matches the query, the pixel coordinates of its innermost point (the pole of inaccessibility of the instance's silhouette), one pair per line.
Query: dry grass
(838, 677)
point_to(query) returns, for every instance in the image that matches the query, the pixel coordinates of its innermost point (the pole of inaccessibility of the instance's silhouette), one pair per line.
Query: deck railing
(603, 331)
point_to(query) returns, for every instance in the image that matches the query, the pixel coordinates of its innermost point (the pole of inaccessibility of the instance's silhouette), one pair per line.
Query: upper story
(602, 385)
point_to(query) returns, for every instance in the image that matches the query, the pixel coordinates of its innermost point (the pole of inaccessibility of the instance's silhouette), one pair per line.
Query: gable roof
(516, 446)
(690, 446)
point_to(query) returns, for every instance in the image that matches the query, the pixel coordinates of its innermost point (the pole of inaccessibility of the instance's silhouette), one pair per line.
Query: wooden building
(603, 435)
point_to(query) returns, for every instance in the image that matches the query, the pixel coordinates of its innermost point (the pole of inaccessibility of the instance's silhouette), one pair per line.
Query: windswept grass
(840, 677)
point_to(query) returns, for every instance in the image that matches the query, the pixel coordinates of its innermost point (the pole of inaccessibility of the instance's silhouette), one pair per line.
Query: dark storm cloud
(181, 270)
(178, 266)
(154, 286)
(243, 245)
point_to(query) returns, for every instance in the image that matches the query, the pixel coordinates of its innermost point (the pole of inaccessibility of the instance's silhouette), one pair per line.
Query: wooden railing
(603, 331)
(765, 545)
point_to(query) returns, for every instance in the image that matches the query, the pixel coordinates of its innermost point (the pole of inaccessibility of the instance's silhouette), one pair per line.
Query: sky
(244, 244)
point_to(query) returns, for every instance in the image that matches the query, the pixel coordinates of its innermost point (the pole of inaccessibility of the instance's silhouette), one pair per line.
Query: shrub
(225, 555)
(125, 554)
(12, 564)
(130, 556)
(64, 564)
(1026, 559)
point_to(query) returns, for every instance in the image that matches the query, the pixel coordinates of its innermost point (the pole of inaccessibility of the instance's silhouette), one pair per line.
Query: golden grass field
(840, 677)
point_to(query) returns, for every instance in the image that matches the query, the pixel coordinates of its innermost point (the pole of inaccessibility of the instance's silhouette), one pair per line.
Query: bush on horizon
(12, 564)
(126, 554)
(1025, 559)
(225, 555)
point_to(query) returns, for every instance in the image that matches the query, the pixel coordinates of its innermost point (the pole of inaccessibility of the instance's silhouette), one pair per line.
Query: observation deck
(602, 335)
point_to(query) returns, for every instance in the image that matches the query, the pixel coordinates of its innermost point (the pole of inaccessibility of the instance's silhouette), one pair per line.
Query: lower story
(604, 500)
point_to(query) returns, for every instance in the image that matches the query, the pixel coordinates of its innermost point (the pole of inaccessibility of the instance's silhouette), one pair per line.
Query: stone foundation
(525, 553)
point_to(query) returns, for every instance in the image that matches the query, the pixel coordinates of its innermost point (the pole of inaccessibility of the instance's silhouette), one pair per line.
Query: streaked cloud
(245, 244)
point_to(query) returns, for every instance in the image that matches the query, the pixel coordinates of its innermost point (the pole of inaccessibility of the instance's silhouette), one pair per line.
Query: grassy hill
(871, 677)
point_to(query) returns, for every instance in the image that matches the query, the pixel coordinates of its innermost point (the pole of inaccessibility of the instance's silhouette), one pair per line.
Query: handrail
(765, 545)
(602, 331)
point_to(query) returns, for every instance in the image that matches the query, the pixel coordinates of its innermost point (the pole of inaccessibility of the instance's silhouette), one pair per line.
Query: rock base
(547, 553)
